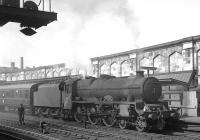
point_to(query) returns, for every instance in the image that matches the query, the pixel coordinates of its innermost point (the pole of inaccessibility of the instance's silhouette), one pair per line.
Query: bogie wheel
(122, 123)
(110, 119)
(141, 124)
(92, 119)
(77, 114)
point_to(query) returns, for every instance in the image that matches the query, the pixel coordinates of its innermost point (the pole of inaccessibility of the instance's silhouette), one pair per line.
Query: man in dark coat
(21, 114)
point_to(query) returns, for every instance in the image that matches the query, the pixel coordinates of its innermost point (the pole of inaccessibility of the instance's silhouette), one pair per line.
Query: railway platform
(191, 120)
(191, 124)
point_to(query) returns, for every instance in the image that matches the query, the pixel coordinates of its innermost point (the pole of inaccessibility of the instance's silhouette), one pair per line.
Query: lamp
(28, 31)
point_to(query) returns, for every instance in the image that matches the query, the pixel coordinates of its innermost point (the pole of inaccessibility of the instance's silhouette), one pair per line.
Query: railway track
(7, 135)
(94, 134)
(99, 132)
(32, 132)
(131, 134)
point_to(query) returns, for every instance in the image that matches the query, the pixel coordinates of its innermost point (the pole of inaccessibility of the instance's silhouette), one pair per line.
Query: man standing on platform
(21, 114)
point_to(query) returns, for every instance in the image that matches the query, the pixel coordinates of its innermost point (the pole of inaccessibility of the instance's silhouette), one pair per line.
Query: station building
(176, 64)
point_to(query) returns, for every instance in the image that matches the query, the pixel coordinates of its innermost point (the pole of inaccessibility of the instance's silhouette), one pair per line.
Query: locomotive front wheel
(92, 119)
(122, 124)
(141, 124)
(77, 116)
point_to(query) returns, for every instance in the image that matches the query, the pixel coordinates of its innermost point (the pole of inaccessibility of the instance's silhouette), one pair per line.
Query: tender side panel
(48, 95)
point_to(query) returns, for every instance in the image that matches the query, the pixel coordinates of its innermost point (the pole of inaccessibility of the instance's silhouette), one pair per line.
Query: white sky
(90, 28)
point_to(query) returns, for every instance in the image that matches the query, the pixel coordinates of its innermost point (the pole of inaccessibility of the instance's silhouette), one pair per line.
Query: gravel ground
(101, 132)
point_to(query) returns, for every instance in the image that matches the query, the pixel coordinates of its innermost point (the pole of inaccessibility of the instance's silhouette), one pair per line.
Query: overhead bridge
(26, 17)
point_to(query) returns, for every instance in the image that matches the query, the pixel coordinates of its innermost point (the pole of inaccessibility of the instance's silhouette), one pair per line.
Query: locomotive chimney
(12, 65)
(139, 73)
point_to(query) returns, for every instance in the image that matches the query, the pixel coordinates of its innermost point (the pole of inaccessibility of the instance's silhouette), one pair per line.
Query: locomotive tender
(126, 101)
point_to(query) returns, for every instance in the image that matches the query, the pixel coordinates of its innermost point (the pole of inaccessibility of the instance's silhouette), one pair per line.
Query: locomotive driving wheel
(122, 123)
(109, 120)
(91, 118)
(141, 124)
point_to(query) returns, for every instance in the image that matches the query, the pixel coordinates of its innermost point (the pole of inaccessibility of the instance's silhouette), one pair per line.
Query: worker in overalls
(21, 114)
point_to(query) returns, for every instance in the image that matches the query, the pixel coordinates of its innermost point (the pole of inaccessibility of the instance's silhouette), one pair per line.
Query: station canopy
(176, 78)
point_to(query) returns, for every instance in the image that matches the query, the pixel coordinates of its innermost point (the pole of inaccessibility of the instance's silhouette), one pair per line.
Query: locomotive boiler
(128, 89)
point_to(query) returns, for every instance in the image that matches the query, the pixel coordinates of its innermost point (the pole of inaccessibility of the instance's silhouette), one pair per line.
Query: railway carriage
(11, 95)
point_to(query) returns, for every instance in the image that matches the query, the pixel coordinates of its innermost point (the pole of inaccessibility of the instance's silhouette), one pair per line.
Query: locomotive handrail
(186, 107)
(134, 87)
(104, 102)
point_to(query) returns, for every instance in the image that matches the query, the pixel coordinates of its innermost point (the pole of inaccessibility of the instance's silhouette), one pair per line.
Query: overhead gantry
(30, 15)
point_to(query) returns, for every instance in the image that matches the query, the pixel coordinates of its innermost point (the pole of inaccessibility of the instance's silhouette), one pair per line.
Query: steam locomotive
(126, 101)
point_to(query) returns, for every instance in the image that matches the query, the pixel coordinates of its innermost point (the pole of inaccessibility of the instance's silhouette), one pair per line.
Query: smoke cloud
(102, 27)
(86, 9)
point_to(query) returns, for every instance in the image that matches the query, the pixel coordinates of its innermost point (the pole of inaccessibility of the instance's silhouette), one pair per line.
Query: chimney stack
(12, 65)
(21, 63)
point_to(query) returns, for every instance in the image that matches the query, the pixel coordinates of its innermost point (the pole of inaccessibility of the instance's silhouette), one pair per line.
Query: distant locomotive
(124, 101)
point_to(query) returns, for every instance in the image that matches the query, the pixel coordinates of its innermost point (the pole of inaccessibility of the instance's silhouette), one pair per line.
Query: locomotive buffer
(29, 17)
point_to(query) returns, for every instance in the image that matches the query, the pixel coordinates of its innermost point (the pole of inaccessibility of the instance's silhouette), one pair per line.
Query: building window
(125, 68)
(55, 74)
(145, 62)
(49, 74)
(176, 62)
(104, 69)
(115, 69)
(63, 73)
(33, 76)
(160, 64)
(41, 74)
(198, 66)
(187, 59)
